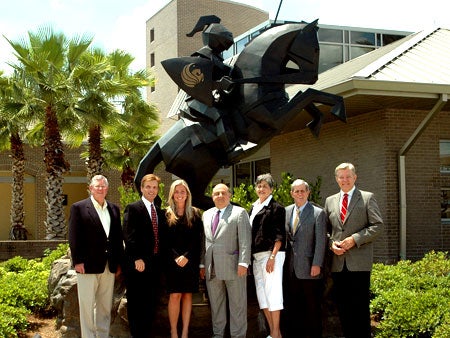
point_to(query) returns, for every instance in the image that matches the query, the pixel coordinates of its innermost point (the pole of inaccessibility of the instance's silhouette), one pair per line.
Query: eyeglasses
(98, 187)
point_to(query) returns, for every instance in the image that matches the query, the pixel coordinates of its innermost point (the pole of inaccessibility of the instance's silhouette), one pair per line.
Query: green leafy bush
(51, 255)
(23, 289)
(412, 299)
(245, 194)
(16, 264)
(12, 320)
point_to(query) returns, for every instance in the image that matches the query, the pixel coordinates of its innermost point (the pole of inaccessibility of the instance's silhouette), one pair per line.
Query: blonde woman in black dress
(183, 246)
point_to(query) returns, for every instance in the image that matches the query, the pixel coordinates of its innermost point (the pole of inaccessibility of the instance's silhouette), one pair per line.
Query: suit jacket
(88, 241)
(230, 245)
(307, 246)
(363, 221)
(268, 227)
(138, 233)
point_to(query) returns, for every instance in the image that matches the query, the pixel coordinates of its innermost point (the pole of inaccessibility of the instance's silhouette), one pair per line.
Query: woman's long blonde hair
(189, 210)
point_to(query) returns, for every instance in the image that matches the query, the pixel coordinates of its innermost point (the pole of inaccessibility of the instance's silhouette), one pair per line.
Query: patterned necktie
(155, 228)
(215, 222)
(344, 207)
(296, 220)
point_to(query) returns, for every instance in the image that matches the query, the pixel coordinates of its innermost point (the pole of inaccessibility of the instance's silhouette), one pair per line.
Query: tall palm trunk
(55, 167)
(95, 161)
(17, 215)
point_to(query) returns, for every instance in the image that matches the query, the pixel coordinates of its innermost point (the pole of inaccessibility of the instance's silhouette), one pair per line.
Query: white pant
(269, 286)
(95, 294)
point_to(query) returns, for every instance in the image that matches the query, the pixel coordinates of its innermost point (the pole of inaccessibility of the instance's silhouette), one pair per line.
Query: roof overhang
(363, 96)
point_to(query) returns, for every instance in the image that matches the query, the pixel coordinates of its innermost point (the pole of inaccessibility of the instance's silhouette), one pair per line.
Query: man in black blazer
(96, 245)
(306, 229)
(355, 222)
(143, 226)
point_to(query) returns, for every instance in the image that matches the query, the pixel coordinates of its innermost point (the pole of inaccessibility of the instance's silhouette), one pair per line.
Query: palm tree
(50, 63)
(96, 107)
(17, 110)
(128, 139)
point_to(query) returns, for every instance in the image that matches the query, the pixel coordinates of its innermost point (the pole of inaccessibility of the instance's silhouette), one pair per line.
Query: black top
(187, 241)
(268, 227)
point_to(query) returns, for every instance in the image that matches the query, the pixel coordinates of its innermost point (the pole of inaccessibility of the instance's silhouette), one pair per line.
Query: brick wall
(26, 249)
(372, 142)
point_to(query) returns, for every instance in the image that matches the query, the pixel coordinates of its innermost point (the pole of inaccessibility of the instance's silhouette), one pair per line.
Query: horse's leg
(306, 100)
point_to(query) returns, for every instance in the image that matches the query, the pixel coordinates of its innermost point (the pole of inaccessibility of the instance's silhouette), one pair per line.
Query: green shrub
(412, 299)
(12, 320)
(51, 255)
(245, 194)
(16, 264)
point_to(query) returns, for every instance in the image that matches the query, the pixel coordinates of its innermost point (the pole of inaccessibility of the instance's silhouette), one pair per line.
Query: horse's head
(283, 54)
(304, 53)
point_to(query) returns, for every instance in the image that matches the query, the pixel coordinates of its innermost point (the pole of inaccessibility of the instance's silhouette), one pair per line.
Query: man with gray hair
(96, 245)
(305, 254)
(355, 222)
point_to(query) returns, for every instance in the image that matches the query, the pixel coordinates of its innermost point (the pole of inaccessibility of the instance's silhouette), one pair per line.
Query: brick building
(397, 136)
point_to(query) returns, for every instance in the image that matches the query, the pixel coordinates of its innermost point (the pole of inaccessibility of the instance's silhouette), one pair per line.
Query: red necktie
(344, 207)
(215, 222)
(155, 228)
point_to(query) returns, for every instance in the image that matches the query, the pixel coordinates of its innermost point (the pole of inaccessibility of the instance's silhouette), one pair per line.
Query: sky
(119, 24)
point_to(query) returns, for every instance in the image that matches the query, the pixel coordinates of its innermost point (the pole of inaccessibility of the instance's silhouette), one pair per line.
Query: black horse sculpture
(234, 109)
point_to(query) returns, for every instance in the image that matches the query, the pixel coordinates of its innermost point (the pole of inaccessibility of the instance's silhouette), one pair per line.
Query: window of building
(444, 154)
(241, 44)
(330, 35)
(358, 51)
(389, 38)
(362, 38)
(152, 59)
(226, 54)
(152, 35)
(330, 56)
(247, 172)
(445, 204)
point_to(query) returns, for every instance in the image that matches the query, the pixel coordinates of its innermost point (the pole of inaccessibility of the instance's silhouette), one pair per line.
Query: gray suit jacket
(230, 245)
(363, 221)
(307, 246)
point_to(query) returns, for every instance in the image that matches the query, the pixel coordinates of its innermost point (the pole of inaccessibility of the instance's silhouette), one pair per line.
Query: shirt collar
(350, 193)
(97, 205)
(263, 204)
(147, 203)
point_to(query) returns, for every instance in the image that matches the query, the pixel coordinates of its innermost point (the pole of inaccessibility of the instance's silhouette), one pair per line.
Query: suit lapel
(93, 214)
(226, 214)
(304, 215)
(354, 200)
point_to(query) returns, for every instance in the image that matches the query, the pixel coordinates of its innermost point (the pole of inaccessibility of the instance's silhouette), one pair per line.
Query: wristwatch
(272, 256)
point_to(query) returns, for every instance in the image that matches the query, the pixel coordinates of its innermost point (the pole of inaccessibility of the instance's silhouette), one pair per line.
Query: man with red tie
(143, 223)
(355, 221)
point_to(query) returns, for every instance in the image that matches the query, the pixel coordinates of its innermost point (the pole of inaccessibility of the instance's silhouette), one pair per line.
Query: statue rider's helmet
(215, 35)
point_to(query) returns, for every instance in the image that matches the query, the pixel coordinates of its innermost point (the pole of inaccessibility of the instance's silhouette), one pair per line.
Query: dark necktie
(215, 222)
(344, 207)
(155, 228)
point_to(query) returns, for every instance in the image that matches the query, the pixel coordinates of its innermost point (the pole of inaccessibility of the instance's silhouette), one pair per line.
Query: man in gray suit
(224, 262)
(355, 220)
(306, 243)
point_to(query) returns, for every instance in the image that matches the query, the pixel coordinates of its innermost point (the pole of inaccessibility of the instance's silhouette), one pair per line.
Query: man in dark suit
(143, 226)
(306, 242)
(96, 245)
(355, 221)
(225, 260)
